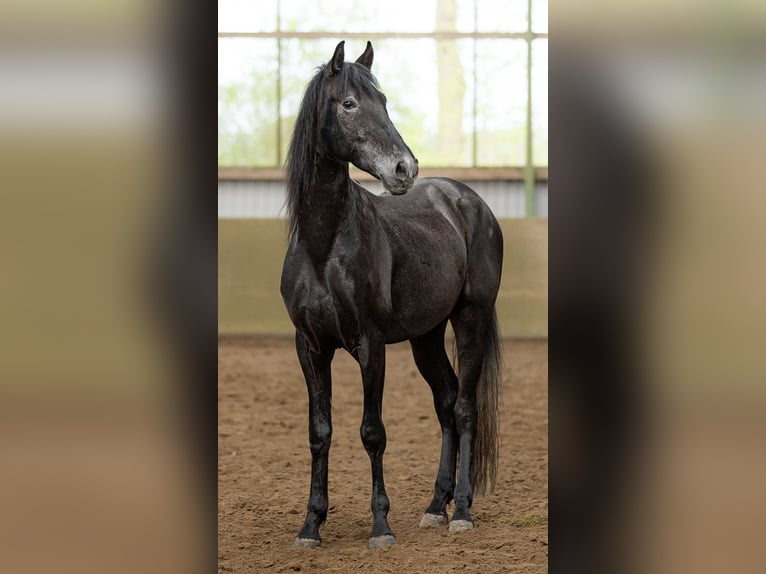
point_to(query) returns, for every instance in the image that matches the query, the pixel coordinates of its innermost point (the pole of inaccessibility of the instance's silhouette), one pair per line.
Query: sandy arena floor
(264, 462)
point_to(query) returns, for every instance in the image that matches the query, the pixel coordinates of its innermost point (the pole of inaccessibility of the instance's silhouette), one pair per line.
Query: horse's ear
(366, 58)
(336, 62)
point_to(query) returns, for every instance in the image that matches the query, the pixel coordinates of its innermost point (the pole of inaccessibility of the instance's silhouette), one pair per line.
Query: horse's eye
(348, 104)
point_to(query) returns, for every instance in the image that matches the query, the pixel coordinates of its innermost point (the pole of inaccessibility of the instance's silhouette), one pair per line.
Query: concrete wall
(250, 254)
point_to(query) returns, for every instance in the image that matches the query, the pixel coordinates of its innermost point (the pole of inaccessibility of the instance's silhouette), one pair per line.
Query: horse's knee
(373, 436)
(320, 437)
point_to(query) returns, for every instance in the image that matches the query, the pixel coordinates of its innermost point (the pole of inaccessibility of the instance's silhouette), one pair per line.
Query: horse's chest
(320, 302)
(308, 303)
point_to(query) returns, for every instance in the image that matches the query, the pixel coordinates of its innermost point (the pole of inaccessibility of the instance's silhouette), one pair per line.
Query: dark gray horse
(362, 271)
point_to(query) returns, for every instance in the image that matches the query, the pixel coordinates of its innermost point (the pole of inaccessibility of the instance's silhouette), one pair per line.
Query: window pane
(247, 15)
(366, 16)
(502, 15)
(540, 101)
(501, 67)
(539, 15)
(430, 98)
(247, 102)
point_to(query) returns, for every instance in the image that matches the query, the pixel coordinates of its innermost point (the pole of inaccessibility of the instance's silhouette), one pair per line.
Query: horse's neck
(324, 206)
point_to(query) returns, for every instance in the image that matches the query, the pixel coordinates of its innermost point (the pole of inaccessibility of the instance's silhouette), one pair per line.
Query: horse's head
(354, 124)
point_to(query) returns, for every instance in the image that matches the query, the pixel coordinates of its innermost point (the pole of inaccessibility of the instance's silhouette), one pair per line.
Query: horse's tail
(485, 443)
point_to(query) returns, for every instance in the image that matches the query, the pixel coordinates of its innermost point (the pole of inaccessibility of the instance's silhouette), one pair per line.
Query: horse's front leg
(372, 360)
(316, 369)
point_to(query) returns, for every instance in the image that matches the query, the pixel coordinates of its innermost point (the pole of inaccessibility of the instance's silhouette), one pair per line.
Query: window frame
(529, 173)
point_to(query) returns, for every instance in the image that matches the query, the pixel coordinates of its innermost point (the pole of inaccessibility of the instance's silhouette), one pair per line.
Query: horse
(363, 270)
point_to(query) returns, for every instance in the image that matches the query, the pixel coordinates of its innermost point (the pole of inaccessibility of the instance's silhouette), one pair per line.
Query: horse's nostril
(401, 170)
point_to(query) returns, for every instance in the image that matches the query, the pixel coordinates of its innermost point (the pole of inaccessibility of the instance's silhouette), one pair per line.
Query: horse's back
(442, 193)
(456, 202)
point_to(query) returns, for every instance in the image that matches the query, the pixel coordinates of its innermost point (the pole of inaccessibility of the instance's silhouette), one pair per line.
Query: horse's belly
(424, 293)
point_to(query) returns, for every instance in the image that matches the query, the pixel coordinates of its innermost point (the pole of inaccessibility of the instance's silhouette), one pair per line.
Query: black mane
(305, 145)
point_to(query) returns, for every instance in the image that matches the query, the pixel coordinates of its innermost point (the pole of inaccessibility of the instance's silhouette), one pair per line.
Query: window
(466, 80)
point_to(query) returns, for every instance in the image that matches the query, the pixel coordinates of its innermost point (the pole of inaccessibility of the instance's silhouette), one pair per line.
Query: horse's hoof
(381, 541)
(460, 525)
(306, 543)
(433, 520)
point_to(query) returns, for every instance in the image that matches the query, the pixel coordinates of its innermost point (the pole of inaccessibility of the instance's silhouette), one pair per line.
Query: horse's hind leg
(470, 323)
(316, 368)
(432, 362)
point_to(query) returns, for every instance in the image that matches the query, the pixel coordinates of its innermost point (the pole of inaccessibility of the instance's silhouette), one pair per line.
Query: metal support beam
(529, 170)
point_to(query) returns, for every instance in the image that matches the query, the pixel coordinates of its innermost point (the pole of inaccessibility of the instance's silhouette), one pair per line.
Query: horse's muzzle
(405, 172)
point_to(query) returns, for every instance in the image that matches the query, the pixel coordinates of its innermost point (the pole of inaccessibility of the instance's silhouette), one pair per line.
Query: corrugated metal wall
(264, 199)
